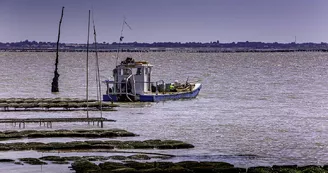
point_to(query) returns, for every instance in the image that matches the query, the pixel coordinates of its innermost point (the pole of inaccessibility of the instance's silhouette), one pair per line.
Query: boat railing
(162, 81)
(117, 89)
(107, 90)
(126, 87)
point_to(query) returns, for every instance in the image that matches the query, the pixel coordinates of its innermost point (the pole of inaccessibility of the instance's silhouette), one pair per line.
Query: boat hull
(160, 97)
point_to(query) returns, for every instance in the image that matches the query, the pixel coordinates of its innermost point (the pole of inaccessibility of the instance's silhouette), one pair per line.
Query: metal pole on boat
(121, 39)
(87, 68)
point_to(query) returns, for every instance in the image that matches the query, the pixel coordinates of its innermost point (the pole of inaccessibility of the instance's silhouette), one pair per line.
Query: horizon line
(168, 42)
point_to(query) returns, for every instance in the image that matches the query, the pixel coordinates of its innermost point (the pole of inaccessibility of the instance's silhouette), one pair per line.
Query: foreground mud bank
(89, 145)
(45, 160)
(37, 104)
(99, 133)
(84, 166)
(141, 163)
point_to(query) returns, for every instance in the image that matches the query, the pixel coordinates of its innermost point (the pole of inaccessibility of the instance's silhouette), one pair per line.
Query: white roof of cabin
(135, 65)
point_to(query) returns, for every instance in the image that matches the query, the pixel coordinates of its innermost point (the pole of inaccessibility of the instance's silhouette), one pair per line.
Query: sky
(166, 20)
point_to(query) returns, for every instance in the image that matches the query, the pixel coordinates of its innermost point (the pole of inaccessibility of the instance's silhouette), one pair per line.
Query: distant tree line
(29, 44)
(216, 44)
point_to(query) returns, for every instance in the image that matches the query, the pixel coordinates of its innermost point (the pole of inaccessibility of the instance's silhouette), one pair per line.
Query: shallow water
(254, 108)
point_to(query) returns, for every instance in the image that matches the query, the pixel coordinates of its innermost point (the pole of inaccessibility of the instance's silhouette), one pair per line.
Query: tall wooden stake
(97, 68)
(54, 84)
(87, 75)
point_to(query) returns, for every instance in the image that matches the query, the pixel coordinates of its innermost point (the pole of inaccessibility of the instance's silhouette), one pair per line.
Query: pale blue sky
(167, 20)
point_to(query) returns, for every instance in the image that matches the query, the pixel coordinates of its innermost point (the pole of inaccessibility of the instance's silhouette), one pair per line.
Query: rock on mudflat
(32, 161)
(84, 166)
(117, 157)
(139, 157)
(7, 160)
(60, 162)
(52, 158)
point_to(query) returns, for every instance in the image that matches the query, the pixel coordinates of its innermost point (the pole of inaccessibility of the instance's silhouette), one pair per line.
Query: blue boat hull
(159, 97)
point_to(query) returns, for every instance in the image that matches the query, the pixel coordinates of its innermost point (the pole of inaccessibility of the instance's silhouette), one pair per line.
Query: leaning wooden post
(87, 69)
(54, 84)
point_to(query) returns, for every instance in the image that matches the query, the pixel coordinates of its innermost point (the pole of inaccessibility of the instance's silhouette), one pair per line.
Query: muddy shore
(134, 162)
(83, 166)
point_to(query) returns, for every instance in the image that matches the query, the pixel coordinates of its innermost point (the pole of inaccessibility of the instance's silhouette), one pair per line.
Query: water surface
(254, 108)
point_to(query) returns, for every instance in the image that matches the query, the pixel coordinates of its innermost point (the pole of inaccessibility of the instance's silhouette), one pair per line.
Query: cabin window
(115, 72)
(126, 71)
(134, 71)
(148, 70)
(138, 71)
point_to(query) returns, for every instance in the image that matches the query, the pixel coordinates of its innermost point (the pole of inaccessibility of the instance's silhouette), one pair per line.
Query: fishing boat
(132, 83)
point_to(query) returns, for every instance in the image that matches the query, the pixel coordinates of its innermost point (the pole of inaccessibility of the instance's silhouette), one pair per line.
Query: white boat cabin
(132, 77)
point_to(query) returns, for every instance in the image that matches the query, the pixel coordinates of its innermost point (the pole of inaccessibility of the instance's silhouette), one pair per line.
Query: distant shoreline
(185, 50)
(192, 47)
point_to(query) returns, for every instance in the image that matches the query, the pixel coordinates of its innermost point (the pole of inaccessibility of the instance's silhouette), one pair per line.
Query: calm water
(254, 108)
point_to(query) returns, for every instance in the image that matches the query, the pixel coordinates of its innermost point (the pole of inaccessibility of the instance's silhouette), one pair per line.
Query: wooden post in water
(87, 63)
(97, 68)
(54, 84)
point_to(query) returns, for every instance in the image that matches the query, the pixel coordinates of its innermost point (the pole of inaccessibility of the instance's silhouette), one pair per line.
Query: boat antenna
(87, 67)
(97, 67)
(121, 37)
(295, 40)
(187, 80)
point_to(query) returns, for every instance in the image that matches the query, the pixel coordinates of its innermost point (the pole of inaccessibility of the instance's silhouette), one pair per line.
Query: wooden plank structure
(53, 104)
(48, 121)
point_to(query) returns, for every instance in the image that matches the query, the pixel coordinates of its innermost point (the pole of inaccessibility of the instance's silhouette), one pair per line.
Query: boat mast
(121, 38)
(119, 44)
